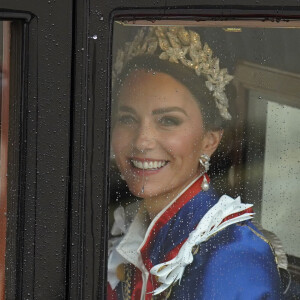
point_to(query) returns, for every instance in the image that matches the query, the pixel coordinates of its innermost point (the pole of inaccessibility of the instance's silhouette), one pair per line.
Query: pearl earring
(122, 176)
(204, 161)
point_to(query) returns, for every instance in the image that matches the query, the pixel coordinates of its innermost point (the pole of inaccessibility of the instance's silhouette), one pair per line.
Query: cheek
(120, 137)
(118, 142)
(184, 146)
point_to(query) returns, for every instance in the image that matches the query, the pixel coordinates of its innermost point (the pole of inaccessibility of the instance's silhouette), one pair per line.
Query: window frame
(15, 168)
(91, 153)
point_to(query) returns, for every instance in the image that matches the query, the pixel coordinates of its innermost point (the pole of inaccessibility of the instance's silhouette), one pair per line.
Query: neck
(154, 205)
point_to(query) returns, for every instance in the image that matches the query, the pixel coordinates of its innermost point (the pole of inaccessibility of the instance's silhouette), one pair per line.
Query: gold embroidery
(266, 241)
(195, 249)
(120, 272)
(169, 292)
(258, 234)
(126, 285)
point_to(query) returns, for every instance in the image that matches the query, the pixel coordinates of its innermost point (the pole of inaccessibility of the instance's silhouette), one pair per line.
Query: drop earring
(204, 161)
(122, 176)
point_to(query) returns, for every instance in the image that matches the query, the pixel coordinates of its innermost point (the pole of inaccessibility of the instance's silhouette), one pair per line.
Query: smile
(149, 165)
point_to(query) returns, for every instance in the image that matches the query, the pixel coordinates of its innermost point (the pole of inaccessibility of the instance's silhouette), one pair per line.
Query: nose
(144, 138)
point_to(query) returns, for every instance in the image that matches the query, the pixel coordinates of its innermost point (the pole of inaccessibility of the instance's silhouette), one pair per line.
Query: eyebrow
(158, 111)
(127, 109)
(168, 109)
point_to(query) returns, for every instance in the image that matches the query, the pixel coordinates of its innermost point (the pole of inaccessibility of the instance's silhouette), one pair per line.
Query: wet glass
(161, 128)
(4, 122)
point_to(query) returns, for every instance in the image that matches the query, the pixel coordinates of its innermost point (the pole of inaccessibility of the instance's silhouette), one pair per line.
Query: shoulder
(241, 245)
(242, 259)
(237, 263)
(242, 236)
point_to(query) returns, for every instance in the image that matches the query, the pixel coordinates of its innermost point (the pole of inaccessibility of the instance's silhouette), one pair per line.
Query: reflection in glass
(4, 121)
(181, 140)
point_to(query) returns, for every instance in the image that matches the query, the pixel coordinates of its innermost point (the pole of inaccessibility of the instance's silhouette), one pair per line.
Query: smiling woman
(180, 239)
(158, 137)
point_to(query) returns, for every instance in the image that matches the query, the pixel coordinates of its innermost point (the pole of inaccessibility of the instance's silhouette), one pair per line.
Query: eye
(126, 120)
(169, 121)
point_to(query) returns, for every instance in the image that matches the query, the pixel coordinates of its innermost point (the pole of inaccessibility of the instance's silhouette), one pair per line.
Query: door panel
(39, 229)
(92, 216)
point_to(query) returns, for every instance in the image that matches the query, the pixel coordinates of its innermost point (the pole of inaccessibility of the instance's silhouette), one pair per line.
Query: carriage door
(259, 147)
(35, 104)
(58, 181)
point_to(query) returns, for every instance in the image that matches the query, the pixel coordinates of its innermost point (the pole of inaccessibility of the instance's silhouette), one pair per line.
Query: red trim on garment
(191, 192)
(111, 294)
(174, 251)
(152, 285)
(248, 210)
(137, 285)
(147, 262)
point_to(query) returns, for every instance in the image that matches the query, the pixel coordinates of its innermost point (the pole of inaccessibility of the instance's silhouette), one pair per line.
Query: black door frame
(37, 236)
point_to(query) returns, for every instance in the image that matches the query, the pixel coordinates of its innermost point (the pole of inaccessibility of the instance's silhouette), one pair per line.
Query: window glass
(205, 131)
(281, 170)
(4, 122)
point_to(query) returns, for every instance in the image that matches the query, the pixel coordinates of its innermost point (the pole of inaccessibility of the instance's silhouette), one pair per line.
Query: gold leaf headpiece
(179, 45)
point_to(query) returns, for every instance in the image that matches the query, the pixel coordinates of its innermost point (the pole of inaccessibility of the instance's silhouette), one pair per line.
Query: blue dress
(236, 263)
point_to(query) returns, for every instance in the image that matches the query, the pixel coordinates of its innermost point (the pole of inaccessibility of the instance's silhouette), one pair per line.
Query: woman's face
(158, 134)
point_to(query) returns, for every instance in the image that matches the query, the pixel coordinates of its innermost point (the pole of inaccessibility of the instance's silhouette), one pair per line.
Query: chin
(139, 192)
(146, 192)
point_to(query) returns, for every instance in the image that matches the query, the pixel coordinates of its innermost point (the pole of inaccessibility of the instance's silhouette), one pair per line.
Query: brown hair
(196, 85)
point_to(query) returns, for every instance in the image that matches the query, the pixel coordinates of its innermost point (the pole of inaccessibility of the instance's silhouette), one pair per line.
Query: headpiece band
(179, 45)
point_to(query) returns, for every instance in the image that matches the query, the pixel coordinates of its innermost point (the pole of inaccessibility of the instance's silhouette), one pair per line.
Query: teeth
(149, 165)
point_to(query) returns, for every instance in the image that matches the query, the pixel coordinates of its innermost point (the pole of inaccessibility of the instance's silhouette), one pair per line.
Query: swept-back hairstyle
(195, 84)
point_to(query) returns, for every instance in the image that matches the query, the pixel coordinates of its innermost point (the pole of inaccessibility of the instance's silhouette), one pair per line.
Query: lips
(148, 164)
